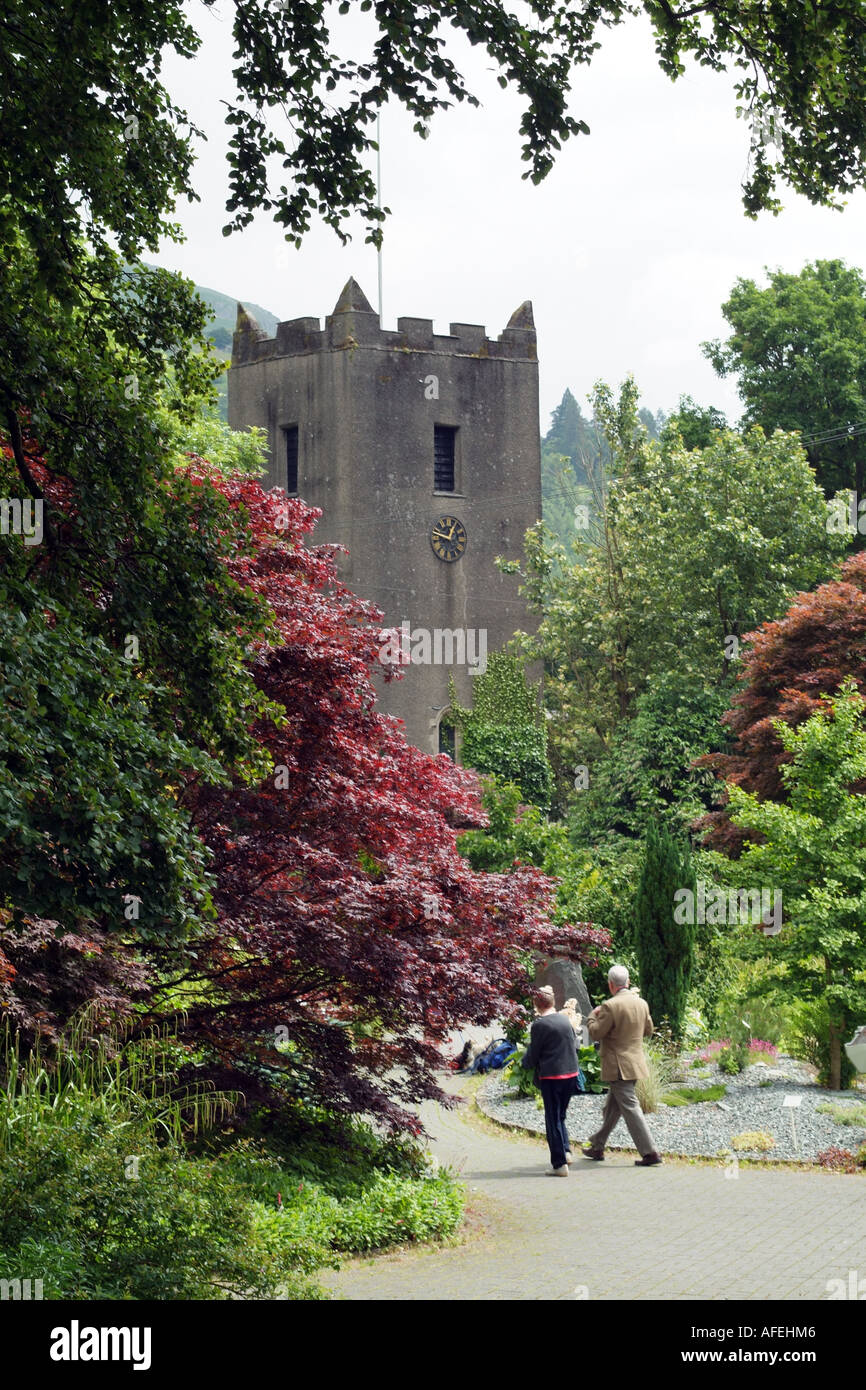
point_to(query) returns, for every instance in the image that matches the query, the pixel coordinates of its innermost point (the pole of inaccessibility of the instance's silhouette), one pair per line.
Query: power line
(833, 436)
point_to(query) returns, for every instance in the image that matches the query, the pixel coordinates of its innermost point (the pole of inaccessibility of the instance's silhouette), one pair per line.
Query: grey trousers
(622, 1104)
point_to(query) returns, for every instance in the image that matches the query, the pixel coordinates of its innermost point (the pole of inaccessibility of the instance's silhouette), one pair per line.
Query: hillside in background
(573, 451)
(221, 326)
(224, 308)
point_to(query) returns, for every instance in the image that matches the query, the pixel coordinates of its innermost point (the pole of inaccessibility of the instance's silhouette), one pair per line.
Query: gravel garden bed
(753, 1103)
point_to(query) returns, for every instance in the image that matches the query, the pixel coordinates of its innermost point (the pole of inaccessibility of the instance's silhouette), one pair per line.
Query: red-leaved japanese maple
(350, 929)
(790, 663)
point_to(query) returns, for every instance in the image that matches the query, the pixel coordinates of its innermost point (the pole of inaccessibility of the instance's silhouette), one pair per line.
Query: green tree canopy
(571, 436)
(814, 850)
(798, 349)
(647, 773)
(504, 733)
(695, 424)
(567, 427)
(86, 115)
(686, 551)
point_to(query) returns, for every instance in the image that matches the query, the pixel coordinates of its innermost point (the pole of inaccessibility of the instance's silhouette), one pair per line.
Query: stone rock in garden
(856, 1050)
(565, 978)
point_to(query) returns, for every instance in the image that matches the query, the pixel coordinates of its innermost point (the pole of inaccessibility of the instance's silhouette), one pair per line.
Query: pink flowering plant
(711, 1052)
(732, 1056)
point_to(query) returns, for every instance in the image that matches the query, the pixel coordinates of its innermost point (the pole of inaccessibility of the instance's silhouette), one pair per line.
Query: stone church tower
(423, 453)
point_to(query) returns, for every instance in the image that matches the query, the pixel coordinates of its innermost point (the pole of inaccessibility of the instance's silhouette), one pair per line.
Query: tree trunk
(835, 1031)
(835, 1058)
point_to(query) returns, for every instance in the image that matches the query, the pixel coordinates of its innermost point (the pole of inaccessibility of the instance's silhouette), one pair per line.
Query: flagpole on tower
(379, 201)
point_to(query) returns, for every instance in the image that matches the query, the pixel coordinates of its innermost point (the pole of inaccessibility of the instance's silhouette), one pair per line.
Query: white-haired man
(621, 1023)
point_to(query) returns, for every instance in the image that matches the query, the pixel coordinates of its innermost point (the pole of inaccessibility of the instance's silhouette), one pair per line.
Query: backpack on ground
(494, 1056)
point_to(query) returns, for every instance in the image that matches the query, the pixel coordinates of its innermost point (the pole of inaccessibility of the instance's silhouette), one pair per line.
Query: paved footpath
(613, 1231)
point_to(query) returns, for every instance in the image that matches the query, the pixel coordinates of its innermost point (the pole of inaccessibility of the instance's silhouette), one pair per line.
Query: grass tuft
(694, 1095)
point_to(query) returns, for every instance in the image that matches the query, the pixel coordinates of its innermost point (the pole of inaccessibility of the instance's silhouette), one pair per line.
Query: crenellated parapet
(355, 323)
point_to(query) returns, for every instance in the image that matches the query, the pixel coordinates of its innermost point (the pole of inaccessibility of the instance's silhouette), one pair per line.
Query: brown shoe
(649, 1160)
(597, 1154)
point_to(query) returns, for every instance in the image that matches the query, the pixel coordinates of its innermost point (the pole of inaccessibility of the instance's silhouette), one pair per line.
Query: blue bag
(494, 1056)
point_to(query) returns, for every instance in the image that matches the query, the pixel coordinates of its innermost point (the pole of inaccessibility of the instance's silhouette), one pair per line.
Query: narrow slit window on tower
(290, 434)
(444, 453)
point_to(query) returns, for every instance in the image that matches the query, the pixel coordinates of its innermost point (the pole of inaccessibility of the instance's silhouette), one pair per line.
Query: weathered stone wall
(365, 402)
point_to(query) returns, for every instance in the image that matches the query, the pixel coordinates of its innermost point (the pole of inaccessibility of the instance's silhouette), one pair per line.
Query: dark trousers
(556, 1095)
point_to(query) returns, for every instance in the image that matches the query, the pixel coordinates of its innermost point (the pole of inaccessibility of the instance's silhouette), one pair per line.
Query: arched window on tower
(447, 741)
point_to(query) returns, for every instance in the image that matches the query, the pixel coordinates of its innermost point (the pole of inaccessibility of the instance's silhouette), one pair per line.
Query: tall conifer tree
(664, 947)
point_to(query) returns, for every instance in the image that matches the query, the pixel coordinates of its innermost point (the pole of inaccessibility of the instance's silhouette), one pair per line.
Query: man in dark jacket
(553, 1054)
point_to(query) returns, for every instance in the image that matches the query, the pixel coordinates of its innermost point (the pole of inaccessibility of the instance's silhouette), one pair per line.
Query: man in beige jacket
(622, 1023)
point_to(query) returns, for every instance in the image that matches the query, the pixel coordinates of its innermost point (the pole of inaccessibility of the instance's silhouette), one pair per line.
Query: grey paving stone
(691, 1232)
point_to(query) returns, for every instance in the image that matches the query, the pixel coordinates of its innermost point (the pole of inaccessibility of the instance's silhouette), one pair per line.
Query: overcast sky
(627, 250)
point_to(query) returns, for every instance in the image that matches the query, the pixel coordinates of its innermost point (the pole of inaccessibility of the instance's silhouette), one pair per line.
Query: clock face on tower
(448, 538)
